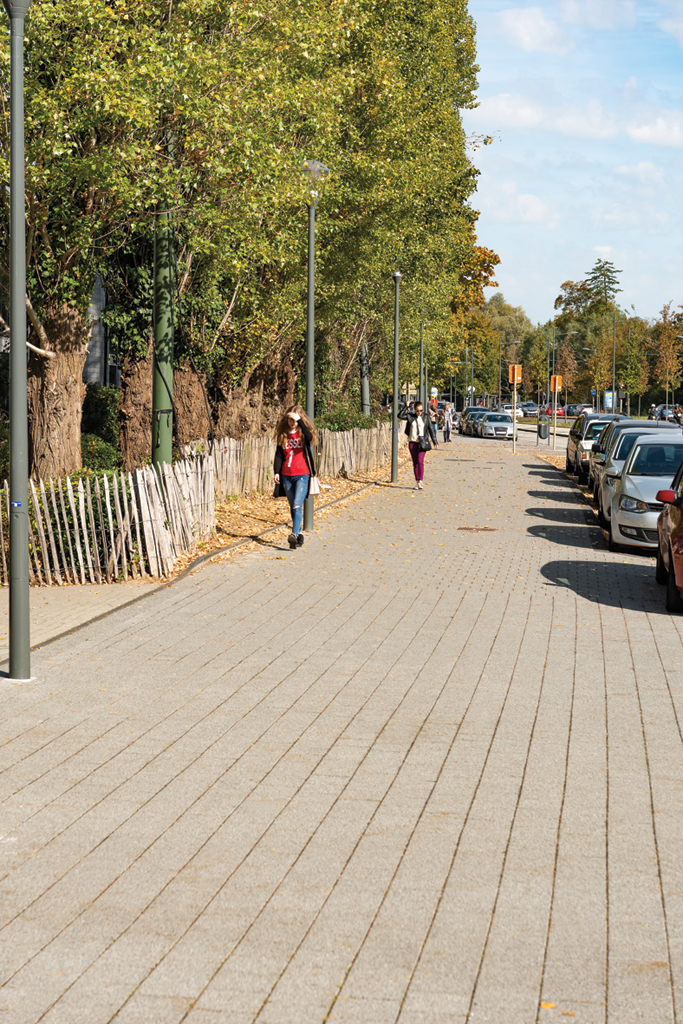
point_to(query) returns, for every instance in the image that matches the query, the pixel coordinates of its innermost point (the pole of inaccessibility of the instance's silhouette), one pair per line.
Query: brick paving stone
(427, 769)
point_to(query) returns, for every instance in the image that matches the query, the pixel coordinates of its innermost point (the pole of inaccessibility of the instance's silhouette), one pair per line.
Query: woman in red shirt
(293, 466)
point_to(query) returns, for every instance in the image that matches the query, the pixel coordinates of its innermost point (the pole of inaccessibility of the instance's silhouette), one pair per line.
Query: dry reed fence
(133, 525)
(123, 526)
(243, 466)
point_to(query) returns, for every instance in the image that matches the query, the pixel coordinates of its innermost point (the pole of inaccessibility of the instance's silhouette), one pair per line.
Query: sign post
(555, 386)
(515, 379)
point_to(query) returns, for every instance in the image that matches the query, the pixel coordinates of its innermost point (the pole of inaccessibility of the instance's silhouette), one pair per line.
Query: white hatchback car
(650, 467)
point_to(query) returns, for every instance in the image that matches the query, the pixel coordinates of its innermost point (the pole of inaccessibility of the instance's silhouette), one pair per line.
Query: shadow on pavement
(570, 494)
(580, 516)
(617, 584)
(569, 536)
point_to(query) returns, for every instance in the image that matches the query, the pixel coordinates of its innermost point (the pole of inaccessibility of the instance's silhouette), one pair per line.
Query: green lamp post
(19, 611)
(317, 175)
(397, 275)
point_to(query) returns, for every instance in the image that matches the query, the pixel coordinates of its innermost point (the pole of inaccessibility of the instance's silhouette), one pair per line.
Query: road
(427, 769)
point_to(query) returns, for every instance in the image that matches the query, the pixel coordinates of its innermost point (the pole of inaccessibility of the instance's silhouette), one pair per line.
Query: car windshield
(499, 418)
(657, 460)
(624, 446)
(594, 430)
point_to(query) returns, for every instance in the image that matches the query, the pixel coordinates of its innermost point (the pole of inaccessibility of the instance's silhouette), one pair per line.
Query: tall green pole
(310, 345)
(364, 381)
(19, 608)
(394, 404)
(162, 388)
(421, 394)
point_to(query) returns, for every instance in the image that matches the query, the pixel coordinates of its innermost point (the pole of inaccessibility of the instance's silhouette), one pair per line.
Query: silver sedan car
(650, 467)
(496, 424)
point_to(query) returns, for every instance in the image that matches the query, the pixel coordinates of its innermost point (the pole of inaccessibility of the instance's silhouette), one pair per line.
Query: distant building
(100, 366)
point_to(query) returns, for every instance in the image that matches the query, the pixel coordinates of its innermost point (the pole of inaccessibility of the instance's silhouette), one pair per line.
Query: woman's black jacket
(279, 491)
(409, 416)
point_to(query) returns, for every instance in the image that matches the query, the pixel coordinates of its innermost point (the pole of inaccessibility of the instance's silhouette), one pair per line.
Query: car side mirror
(667, 497)
(596, 448)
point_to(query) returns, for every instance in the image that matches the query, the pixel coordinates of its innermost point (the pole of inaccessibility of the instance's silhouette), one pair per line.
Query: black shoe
(292, 540)
(300, 540)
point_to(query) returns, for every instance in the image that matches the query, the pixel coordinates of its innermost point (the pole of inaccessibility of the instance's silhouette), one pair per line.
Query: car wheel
(661, 571)
(568, 468)
(581, 477)
(611, 543)
(674, 601)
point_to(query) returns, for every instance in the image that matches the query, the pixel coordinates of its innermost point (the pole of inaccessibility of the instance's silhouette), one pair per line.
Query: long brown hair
(282, 429)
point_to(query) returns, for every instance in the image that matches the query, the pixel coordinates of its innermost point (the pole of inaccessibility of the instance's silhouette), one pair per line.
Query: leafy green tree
(603, 282)
(567, 366)
(632, 366)
(667, 370)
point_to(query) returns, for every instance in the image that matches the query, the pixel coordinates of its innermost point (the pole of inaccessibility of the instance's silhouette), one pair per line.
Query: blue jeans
(296, 489)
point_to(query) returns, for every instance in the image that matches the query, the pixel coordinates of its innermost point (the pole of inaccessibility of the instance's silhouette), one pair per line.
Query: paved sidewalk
(427, 769)
(54, 610)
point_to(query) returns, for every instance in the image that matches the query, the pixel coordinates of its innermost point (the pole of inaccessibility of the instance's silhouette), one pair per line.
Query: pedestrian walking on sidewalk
(293, 466)
(447, 422)
(421, 433)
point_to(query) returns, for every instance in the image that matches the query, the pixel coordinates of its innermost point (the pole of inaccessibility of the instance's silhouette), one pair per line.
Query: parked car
(669, 570)
(464, 414)
(606, 445)
(598, 448)
(529, 409)
(584, 432)
(620, 447)
(472, 421)
(506, 407)
(548, 409)
(651, 467)
(496, 424)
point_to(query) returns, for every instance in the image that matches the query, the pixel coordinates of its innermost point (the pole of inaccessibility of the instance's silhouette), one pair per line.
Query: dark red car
(669, 569)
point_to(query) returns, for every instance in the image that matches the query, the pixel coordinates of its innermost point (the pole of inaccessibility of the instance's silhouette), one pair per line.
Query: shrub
(101, 412)
(346, 418)
(98, 455)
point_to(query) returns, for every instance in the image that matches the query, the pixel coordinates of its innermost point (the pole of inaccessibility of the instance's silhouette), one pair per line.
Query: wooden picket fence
(247, 465)
(123, 526)
(134, 525)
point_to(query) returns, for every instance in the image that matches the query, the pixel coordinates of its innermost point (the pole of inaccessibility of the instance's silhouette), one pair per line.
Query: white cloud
(507, 110)
(507, 204)
(528, 28)
(673, 25)
(661, 128)
(603, 250)
(645, 172)
(599, 14)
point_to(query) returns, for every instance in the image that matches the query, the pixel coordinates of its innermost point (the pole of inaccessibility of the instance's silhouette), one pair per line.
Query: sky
(584, 99)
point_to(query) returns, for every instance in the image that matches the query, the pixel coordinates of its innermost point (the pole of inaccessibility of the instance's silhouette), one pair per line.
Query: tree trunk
(135, 411)
(55, 397)
(188, 399)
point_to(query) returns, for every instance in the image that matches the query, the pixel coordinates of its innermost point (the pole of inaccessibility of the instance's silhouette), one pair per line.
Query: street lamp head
(16, 8)
(397, 275)
(317, 174)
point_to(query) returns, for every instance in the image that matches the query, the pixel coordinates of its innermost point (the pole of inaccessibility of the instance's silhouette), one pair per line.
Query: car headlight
(632, 504)
(610, 480)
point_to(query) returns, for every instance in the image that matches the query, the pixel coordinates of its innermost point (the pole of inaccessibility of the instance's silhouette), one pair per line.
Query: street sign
(556, 382)
(515, 373)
